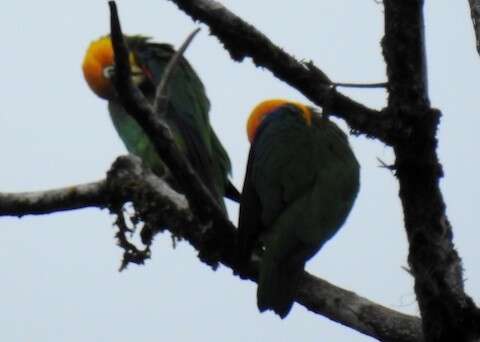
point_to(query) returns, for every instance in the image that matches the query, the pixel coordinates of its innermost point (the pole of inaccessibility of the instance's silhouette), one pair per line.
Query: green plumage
(187, 116)
(300, 185)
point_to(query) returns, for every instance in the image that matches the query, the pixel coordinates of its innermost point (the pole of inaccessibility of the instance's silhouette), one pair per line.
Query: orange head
(99, 67)
(266, 107)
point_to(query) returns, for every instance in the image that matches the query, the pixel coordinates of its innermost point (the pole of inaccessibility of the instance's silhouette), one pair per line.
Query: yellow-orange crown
(266, 107)
(99, 56)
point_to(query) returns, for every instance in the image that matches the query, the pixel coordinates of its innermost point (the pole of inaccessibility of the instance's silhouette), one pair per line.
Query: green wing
(134, 139)
(250, 223)
(187, 115)
(306, 179)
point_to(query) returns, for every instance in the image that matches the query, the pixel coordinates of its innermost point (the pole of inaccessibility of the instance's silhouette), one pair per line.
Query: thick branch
(359, 313)
(243, 40)
(404, 50)
(158, 205)
(46, 202)
(448, 314)
(317, 295)
(475, 13)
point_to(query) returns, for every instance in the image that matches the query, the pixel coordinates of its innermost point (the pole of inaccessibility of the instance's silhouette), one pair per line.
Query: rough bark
(50, 201)
(156, 205)
(409, 124)
(243, 40)
(448, 314)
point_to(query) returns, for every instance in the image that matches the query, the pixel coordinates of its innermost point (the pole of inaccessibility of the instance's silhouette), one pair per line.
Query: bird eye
(109, 71)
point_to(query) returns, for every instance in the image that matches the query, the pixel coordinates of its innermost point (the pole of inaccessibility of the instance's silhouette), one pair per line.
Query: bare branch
(161, 97)
(359, 313)
(46, 202)
(406, 64)
(475, 13)
(448, 314)
(158, 205)
(316, 294)
(243, 40)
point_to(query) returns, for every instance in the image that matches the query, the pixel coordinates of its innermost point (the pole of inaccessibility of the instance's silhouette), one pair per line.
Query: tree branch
(156, 204)
(243, 40)
(46, 202)
(410, 127)
(475, 13)
(158, 131)
(356, 312)
(161, 98)
(448, 314)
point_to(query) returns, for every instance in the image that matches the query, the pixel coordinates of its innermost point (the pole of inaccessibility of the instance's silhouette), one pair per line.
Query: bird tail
(278, 282)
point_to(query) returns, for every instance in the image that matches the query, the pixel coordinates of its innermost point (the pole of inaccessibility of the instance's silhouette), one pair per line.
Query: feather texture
(301, 181)
(187, 112)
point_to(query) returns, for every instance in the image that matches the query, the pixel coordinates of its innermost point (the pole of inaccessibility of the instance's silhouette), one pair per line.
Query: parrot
(301, 181)
(186, 114)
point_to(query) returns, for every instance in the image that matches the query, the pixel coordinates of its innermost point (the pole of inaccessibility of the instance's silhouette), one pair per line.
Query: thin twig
(361, 85)
(161, 97)
(390, 167)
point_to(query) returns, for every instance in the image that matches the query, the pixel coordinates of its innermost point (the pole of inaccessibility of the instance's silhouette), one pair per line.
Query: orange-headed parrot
(187, 112)
(301, 182)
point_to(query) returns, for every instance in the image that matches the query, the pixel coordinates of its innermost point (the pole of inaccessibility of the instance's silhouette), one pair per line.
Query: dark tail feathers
(277, 286)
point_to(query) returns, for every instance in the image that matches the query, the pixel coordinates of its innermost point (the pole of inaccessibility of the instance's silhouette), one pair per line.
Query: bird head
(99, 68)
(266, 107)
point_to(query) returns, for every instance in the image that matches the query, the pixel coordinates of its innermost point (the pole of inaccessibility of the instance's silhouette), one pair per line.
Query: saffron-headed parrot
(187, 112)
(301, 181)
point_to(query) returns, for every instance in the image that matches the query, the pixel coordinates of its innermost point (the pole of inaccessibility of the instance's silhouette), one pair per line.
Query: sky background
(59, 279)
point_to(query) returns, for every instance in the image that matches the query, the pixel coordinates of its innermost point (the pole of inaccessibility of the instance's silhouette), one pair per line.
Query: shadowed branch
(156, 204)
(448, 313)
(243, 40)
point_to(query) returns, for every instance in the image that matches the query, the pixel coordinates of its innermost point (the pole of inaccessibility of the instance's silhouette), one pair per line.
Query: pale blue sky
(59, 279)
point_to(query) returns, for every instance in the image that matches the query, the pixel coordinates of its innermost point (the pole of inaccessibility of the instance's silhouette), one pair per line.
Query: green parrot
(187, 112)
(301, 182)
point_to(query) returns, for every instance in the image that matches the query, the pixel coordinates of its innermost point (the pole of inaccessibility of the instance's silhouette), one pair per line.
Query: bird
(301, 181)
(186, 114)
